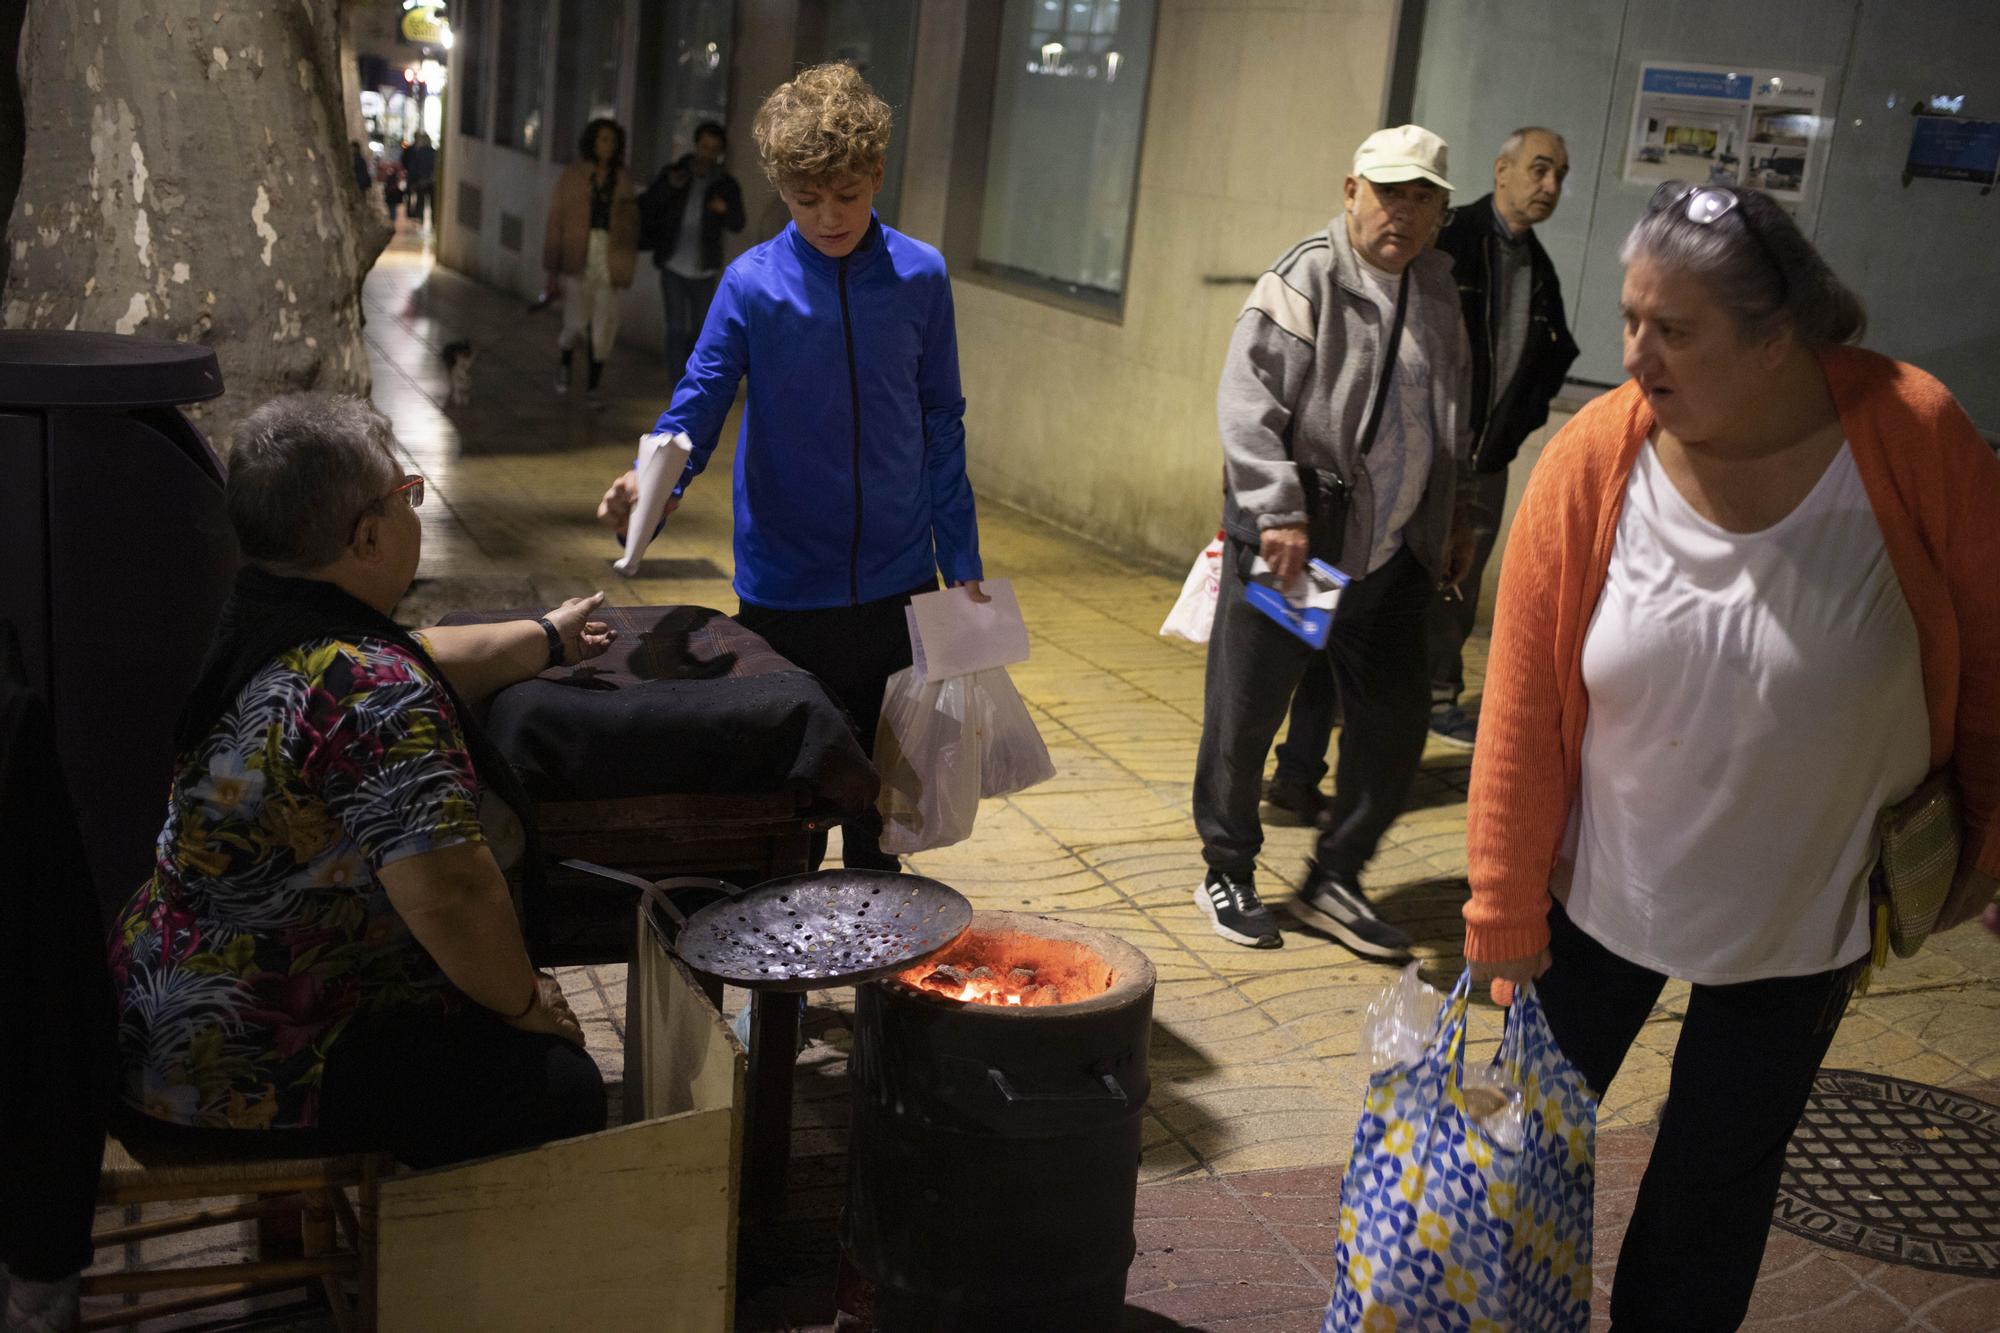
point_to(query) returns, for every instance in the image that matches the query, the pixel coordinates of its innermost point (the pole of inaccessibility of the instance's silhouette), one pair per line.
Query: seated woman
(327, 954)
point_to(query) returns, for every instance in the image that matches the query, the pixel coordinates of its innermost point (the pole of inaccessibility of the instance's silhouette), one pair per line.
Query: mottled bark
(13, 131)
(187, 176)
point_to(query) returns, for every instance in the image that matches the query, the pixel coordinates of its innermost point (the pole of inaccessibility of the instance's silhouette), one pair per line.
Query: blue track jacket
(850, 469)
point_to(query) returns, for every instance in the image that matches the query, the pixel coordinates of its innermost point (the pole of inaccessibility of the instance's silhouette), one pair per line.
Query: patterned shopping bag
(1443, 1228)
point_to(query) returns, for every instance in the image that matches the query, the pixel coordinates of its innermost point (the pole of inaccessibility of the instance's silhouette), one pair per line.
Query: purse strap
(1395, 345)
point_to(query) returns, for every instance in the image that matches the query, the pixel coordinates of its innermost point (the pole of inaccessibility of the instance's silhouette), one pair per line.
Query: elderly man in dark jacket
(682, 217)
(1521, 353)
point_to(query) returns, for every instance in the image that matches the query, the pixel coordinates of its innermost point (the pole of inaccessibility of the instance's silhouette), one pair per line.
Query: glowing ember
(1011, 969)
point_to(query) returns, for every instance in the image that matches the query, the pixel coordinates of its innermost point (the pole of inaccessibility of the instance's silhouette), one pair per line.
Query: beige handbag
(1919, 839)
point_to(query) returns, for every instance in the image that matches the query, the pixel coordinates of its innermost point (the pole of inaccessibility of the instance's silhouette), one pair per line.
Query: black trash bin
(115, 557)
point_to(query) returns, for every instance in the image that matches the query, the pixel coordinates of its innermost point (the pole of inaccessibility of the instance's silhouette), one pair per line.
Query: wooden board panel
(629, 1229)
(682, 1055)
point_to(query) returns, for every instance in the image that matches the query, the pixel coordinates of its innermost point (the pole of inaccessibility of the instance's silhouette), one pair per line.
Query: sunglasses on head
(1704, 205)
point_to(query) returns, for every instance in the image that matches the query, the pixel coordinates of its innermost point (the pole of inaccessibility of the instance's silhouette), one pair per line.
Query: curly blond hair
(826, 123)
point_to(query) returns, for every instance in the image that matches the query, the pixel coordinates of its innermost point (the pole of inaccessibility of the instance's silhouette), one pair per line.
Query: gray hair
(304, 468)
(1759, 265)
(1513, 144)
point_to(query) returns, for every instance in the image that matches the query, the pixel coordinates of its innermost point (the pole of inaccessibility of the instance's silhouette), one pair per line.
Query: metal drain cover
(1898, 1171)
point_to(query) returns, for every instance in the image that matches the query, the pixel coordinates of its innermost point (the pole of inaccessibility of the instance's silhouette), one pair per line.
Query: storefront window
(684, 52)
(879, 38)
(1062, 164)
(518, 67)
(468, 29)
(587, 51)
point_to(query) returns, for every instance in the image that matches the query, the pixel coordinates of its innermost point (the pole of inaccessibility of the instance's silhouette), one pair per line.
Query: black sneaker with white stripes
(1334, 905)
(1235, 912)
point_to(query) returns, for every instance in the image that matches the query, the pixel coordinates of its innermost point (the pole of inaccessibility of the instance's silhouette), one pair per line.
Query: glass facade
(879, 38)
(469, 88)
(1062, 167)
(684, 54)
(518, 66)
(587, 54)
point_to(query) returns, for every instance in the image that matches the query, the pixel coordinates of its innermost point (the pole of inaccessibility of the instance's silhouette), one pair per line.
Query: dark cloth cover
(687, 701)
(58, 1016)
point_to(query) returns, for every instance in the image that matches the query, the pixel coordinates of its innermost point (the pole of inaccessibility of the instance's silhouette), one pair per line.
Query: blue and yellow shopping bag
(1445, 1227)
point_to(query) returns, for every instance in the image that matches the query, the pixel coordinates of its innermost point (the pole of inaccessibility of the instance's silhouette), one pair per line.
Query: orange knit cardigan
(1935, 488)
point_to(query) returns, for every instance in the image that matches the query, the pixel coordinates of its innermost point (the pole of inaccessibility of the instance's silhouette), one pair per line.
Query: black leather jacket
(1545, 359)
(663, 203)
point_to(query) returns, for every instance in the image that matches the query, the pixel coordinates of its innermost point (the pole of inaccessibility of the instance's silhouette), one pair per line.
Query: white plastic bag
(1011, 754)
(1193, 616)
(927, 750)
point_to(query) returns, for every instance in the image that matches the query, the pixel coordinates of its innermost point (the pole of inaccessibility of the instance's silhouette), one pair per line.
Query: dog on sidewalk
(459, 357)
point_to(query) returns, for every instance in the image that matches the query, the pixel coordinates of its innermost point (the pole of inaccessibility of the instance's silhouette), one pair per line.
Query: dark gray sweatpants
(1377, 650)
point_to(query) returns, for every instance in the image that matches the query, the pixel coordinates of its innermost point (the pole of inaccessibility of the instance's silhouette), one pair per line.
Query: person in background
(592, 242)
(1750, 604)
(1348, 368)
(847, 504)
(392, 189)
(420, 176)
(1521, 355)
(684, 212)
(327, 956)
(363, 177)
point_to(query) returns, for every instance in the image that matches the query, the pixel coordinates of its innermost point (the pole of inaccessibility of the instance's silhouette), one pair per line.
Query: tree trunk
(187, 177)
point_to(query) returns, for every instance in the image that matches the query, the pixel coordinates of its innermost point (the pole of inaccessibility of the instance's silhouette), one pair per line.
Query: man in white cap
(1344, 429)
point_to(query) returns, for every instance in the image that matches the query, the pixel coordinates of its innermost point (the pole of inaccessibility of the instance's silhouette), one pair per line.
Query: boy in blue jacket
(851, 493)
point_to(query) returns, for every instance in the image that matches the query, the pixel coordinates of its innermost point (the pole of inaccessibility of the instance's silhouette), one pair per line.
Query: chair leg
(368, 1205)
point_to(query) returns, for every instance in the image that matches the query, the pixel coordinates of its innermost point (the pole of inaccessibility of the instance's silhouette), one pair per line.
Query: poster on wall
(1948, 149)
(1712, 125)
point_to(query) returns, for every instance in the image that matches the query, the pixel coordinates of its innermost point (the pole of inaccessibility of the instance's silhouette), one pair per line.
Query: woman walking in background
(592, 242)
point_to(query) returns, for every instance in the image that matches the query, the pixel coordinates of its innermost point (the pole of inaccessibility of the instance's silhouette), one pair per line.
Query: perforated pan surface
(828, 928)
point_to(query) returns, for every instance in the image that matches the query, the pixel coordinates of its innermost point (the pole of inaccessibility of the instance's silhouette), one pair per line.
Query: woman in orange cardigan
(592, 243)
(1750, 602)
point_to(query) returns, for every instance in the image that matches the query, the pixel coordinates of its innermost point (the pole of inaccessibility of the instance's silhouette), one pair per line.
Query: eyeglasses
(1705, 204)
(412, 489)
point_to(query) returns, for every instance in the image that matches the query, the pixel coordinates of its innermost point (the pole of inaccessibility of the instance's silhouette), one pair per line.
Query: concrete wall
(1108, 428)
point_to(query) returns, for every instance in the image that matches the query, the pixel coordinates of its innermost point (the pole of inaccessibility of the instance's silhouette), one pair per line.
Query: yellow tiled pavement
(1253, 1057)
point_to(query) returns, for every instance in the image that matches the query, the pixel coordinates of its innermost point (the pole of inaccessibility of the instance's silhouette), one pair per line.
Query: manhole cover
(1897, 1171)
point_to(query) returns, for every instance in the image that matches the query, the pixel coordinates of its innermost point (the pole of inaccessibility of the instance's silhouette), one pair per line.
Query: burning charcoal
(1042, 995)
(946, 977)
(1021, 976)
(982, 974)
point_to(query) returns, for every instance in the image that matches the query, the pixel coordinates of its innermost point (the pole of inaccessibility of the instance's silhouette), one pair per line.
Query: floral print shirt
(264, 931)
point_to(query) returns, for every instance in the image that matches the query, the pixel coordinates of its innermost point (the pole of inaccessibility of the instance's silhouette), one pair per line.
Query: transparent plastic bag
(1011, 754)
(1398, 1029)
(927, 750)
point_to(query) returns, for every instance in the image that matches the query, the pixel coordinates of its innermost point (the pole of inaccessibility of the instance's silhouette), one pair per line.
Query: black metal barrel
(994, 1155)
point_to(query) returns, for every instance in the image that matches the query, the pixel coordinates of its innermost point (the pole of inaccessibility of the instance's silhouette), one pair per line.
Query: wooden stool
(338, 1235)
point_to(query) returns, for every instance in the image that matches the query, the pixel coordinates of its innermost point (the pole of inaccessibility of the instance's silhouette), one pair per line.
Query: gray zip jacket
(1299, 381)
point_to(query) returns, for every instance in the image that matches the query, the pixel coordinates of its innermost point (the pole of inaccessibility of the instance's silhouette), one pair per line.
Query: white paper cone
(661, 458)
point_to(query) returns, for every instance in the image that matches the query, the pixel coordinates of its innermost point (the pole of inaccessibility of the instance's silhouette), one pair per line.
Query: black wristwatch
(555, 641)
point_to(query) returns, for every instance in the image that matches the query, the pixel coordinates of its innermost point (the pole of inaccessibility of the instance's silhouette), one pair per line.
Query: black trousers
(684, 303)
(431, 1093)
(1375, 653)
(853, 650)
(1742, 1071)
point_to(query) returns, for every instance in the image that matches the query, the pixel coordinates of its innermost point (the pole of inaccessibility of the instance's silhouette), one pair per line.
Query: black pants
(1315, 709)
(853, 650)
(431, 1093)
(1452, 618)
(685, 302)
(1742, 1070)
(1376, 655)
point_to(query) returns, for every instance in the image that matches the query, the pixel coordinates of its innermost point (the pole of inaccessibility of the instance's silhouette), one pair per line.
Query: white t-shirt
(1399, 466)
(1756, 699)
(686, 258)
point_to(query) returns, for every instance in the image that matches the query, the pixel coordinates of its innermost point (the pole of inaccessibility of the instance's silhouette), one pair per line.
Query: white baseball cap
(1405, 153)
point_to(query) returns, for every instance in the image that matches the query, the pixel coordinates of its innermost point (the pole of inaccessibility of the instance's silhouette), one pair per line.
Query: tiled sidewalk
(1254, 1075)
